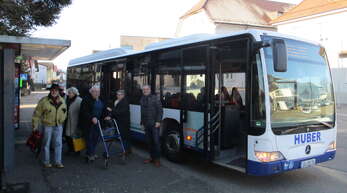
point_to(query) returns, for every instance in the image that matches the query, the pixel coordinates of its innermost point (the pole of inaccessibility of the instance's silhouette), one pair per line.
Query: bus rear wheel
(172, 145)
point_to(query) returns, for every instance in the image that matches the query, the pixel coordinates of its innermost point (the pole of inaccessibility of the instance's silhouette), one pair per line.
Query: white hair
(121, 92)
(95, 87)
(73, 90)
(146, 86)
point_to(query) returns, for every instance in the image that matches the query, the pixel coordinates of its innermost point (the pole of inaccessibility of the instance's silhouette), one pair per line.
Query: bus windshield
(302, 97)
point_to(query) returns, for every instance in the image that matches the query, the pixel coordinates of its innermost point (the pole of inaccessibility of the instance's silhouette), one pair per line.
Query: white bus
(256, 101)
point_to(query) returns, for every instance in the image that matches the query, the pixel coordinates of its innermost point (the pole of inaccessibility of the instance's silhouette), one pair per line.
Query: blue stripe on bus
(263, 169)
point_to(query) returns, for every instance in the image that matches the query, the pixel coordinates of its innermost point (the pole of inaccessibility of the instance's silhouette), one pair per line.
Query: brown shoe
(47, 165)
(59, 166)
(157, 163)
(147, 161)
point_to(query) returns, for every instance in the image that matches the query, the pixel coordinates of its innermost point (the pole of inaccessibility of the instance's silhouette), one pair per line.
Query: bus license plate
(308, 163)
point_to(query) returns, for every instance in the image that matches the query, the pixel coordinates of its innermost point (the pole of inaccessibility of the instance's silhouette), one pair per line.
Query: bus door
(113, 80)
(194, 97)
(229, 118)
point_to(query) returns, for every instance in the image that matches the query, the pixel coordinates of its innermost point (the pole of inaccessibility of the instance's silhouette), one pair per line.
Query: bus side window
(194, 70)
(138, 82)
(171, 91)
(140, 77)
(168, 79)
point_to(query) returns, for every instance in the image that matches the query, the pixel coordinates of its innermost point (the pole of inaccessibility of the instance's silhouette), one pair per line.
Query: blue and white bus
(256, 101)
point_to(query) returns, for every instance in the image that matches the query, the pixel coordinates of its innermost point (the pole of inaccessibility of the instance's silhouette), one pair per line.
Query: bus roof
(98, 56)
(170, 43)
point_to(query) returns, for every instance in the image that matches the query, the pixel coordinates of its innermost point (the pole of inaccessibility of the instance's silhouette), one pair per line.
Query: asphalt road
(194, 175)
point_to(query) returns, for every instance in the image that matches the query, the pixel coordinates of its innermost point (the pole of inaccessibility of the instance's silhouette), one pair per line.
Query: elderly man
(92, 110)
(51, 113)
(151, 116)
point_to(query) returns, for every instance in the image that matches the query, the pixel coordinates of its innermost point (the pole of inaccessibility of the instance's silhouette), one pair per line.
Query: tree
(20, 17)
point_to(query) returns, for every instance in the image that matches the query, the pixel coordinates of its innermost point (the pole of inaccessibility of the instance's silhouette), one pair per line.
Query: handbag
(79, 144)
(34, 142)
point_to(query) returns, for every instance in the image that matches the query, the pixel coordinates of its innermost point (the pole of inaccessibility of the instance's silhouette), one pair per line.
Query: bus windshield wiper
(308, 125)
(293, 129)
(325, 123)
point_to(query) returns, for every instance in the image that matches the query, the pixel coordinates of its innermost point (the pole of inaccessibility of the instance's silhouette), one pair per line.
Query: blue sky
(97, 24)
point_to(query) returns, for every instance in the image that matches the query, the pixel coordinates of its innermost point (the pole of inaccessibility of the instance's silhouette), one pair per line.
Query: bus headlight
(269, 156)
(332, 146)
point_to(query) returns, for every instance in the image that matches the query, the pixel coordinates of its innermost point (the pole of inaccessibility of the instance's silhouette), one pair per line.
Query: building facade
(322, 21)
(40, 76)
(224, 16)
(138, 42)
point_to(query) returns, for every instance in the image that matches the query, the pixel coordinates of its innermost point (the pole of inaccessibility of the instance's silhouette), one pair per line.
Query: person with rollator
(120, 111)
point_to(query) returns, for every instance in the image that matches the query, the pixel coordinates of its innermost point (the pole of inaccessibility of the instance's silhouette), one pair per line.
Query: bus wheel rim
(173, 142)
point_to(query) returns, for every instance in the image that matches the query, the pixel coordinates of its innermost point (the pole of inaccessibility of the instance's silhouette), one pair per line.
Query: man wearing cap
(51, 114)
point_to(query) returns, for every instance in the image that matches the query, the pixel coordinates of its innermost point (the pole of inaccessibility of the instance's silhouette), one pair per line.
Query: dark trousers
(92, 139)
(69, 142)
(153, 140)
(125, 134)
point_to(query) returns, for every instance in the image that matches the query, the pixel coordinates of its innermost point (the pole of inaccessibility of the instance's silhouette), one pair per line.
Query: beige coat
(72, 129)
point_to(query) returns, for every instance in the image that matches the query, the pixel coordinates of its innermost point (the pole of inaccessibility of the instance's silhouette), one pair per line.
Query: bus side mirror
(279, 53)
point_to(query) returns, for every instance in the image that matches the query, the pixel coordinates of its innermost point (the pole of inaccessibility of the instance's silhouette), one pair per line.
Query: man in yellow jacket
(51, 113)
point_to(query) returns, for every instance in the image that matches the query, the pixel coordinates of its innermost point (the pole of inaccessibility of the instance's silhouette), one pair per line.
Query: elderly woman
(121, 113)
(73, 103)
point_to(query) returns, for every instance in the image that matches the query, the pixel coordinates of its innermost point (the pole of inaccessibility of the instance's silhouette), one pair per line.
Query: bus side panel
(135, 118)
(194, 123)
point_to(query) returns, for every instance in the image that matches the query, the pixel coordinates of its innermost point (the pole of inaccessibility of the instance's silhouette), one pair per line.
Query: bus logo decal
(308, 149)
(303, 138)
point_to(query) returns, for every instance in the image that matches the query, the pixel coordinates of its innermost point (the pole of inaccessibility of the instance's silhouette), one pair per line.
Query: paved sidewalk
(77, 176)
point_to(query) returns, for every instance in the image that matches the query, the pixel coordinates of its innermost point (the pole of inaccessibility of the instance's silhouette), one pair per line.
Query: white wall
(331, 32)
(197, 23)
(40, 77)
(201, 23)
(227, 28)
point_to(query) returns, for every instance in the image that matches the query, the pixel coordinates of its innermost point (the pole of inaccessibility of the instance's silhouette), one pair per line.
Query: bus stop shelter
(10, 48)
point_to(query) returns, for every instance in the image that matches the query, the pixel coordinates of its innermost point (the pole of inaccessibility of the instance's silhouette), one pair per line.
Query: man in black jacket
(91, 111)
(121, 113)
(151, 116)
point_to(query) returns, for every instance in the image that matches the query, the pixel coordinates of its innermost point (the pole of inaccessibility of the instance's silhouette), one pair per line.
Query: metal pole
(220, 108)
(2, 184)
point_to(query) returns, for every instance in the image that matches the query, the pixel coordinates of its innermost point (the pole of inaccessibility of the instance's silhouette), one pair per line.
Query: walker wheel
(106, 163)
(123, 159)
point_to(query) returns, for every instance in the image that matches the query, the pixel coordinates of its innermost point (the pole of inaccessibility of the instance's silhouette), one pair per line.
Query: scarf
(56, 100)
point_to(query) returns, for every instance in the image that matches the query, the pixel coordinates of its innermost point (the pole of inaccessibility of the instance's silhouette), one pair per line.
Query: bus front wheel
(172, 145)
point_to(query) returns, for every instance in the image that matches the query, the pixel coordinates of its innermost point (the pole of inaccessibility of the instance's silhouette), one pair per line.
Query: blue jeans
(92, 139)
(153, 140)
(54, 135)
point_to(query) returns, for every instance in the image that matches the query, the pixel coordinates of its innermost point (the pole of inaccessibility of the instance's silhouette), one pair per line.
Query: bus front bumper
(263, 169)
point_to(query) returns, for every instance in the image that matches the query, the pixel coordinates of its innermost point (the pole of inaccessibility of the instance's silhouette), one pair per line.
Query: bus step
(238, 164)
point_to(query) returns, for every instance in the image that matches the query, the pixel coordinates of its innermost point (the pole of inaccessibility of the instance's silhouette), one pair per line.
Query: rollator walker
(109, 135)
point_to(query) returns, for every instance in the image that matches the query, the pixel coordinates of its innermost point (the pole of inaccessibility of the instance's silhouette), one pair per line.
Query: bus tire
(172, 145)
